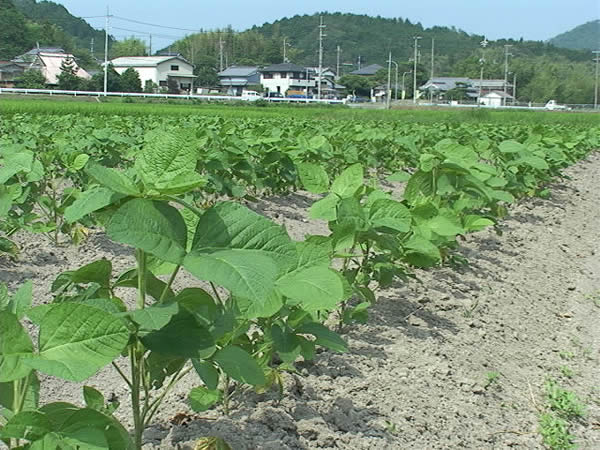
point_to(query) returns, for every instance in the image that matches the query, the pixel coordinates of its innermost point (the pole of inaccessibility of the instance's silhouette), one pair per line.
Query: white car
(250, 96)
(553, 106)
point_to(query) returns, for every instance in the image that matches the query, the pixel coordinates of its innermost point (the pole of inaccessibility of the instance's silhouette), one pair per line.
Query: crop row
(263, 301)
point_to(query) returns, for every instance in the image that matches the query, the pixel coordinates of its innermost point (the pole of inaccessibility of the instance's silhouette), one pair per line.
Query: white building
(495, 99)
(158, 69)
(48, 61)
(286, 77)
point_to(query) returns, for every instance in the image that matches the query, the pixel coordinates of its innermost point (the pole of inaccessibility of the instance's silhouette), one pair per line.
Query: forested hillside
(586, 36)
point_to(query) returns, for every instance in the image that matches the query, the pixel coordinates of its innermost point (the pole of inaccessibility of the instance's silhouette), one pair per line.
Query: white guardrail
(175, 96)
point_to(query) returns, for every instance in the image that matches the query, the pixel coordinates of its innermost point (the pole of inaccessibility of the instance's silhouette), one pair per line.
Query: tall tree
(68, 79)
(129, 47)
(130, 81)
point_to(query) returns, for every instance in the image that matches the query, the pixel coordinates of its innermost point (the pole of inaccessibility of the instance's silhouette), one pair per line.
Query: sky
(530, 19)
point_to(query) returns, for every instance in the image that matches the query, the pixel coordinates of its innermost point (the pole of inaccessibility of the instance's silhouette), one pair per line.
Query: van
(250, 96)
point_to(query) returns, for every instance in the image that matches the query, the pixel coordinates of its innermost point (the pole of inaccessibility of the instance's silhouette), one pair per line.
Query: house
(286, 77)
(367, 71)
(237, 78)
(438, 87)
(9, 72)
(329, 87)
(158, 69)
(49, 60)
(496, 99)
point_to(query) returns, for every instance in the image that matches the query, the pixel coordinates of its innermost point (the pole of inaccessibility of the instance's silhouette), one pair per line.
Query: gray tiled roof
(238, 71)
(368, 70)
(285, 67)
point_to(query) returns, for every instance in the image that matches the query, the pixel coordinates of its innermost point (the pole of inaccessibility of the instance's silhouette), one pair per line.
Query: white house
(158, 69)
(236, 78)
(286, 77)
(495, 99)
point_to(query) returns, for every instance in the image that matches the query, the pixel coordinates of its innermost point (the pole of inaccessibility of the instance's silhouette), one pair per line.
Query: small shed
(495, 99)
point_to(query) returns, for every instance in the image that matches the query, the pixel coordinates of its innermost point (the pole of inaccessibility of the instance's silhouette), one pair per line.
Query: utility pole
(416, 38)
(150, 47)
(92, 47)
(321, 36)
(432, 56)
(506, 55)
(388, 96)
(403, 88)
(337, 68)
(514, 88)
(285, 45)
(221, 54)
(483, 44)
(358, 62)
(106, 52)
(597, 59)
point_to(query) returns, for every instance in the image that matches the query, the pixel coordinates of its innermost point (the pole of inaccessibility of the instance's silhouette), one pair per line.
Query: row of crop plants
(267, 300)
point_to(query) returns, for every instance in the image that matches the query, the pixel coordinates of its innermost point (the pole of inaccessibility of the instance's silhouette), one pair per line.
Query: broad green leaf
(325, 209)
(152, 226)
(314, 288)
(5, 201)
(400, 176)
(445, 226)
(9, 247)
(167, 155)
(324, 336)
(419, 185)
(181, 183)
(162, 366)
(79, 162)
(182, 336)
(113, 179)
(29, 425)
(286, 343)
(427, 162)
(87, 202)
(239, 365)
(207, 373)
(476, 223)
(265, 307)
(14, 163)
(154, 317)
(390, 214)
(313, 177)
(348, 182)
(21, 300)
(77, 340)
(198, 302)
(202, 399)
(15, 346)
(230, 225)
(93, 398)
(245, 273)
(421, 252)
(95, 272)
(314, 252)
(511, 146)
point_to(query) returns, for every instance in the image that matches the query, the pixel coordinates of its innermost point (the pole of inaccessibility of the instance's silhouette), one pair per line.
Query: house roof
(445, 83)
(32, 54)
(238, 71)
(490, 83)
(368, 70)
(143, 61)
(284, 67)
(51, 66)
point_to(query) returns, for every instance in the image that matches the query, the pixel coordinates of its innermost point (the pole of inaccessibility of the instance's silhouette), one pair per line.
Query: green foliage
(32, 79)
(13, 40)
(128, 47)
(130, 81)
(68, 79)
(581, 37)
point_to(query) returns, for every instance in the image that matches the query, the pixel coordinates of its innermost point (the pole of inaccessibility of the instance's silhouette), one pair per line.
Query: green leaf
(348, 182)
(79, 162)
(9, 247)
(313, 177)
(239, 365)
(445, 226)
(181, 183)
(400, 177)
(95, 272)
(286, 343)
(113, 179)
(325, 209)
(419, 185)
(29, 425)
(87, 202)
(15, 346)
(182, 336)
(390, 214)
(324, 336)
(77, 340)
(93, 398)
(21, 300)
(167, 155)
(162, 366)
(511, 146)
(264, 307)
(230, 225)
(314, 288)
(154, 317)
(198, 302)
(14, 163)
(202, 399)
(421, 252)
(5, 201)
(152, 226)
(207, 373)
(32, 397)
(476, 223)
(245, 273)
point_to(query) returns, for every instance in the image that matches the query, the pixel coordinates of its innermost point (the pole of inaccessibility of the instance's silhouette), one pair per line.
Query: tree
(129, 47)
(130, 81)
(97, 82)
(68, 79)
(14, 39)
(358, 84)
(32, 79)
(172, 86)
(150, 87)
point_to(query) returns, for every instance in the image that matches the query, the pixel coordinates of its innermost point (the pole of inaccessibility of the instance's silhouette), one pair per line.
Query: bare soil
(526, 308)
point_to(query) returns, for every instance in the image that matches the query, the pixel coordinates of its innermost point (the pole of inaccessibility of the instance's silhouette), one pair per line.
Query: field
(289, 277)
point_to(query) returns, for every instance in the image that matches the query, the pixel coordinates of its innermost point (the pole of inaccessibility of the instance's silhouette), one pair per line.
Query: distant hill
(583, 37)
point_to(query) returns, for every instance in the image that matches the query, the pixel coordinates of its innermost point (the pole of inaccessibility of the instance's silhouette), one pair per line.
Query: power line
(155, 25)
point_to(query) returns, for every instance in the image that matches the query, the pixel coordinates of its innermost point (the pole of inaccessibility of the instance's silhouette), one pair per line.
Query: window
(268, 76)
(174, 67)
(162, 83)
(283, 75)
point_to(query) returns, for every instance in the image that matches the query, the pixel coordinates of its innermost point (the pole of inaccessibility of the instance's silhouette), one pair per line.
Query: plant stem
(169, 283)
(138, 423)
(186, 204)
(214, 288)
(226, 395)
(141, 269)
(118, 369)
(149, 414)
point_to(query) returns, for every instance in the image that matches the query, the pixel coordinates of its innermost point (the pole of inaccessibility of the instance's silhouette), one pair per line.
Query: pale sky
(530, 19)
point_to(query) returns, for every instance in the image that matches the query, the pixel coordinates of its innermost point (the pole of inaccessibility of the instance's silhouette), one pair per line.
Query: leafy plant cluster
(262, 300)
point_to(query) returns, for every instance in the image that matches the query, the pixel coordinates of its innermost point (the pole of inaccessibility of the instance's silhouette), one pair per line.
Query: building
(437, 87)
(286, 77)
(158, 69)
(9, 72)
(329, 88)
(237, 78)
(491, 85)
(49, 60)
(367, 71)
(496, 99)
